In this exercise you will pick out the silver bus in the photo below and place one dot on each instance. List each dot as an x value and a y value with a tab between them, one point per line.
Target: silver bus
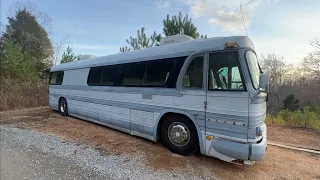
207	94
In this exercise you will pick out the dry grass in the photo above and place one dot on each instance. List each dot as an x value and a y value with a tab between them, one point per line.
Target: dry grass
15	94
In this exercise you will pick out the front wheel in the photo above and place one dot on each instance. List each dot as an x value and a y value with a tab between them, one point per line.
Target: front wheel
63	107
179	134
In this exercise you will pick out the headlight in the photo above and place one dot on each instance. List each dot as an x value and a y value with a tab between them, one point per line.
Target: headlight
259	131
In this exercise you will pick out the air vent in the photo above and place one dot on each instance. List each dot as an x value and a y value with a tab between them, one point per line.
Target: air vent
175	39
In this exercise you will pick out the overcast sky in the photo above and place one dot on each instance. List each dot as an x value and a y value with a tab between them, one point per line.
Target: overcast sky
100	27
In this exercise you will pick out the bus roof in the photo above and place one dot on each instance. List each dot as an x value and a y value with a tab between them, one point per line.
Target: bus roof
158	52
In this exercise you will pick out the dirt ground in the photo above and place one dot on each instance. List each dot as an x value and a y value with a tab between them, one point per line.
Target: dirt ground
298	137
279	163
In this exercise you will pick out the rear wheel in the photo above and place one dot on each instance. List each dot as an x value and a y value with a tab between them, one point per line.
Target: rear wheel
179	135
63	107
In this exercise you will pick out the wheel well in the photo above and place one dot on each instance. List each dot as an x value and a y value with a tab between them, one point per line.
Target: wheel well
61	99
168	114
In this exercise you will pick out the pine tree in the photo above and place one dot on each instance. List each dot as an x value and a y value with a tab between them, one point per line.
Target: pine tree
25	30
142	41
180	25
125	49
68	56
291	103
171	26
15	64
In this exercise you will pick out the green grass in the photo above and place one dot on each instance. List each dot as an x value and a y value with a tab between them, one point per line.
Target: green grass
309	117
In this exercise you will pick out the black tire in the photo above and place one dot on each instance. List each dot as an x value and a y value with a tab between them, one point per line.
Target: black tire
63	107
187	147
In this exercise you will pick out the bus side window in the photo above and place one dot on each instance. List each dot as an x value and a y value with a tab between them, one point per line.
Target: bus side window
157	72
94	77
109	75
193	76
56	78
133	74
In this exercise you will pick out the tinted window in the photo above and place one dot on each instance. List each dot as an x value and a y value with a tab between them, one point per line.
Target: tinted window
157	72
109	74
224	72
133	74
94	77
56	78
178	63
193	77
162	72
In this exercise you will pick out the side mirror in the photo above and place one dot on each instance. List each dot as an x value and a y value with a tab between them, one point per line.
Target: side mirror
264	83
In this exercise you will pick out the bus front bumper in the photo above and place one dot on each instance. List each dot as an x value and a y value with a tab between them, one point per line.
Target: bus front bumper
237	152
259	150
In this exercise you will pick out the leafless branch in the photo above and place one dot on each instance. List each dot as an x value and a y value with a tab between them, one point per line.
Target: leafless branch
316	43
57	48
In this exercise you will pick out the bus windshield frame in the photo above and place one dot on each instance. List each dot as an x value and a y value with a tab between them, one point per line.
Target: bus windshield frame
253	67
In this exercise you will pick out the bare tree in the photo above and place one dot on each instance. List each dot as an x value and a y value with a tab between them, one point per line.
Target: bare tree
59	44
316	43
312	61
278	71
312	64
275	66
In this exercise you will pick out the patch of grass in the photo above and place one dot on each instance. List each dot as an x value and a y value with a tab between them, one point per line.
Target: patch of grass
309	117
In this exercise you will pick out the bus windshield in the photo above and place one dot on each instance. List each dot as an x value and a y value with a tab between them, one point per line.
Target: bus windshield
253	68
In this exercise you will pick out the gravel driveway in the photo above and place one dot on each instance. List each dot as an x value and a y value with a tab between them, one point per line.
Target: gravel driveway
28	155
31	155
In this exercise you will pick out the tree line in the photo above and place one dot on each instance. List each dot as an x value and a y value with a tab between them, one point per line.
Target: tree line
294	98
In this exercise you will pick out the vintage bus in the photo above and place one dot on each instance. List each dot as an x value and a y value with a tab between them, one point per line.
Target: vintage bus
207	94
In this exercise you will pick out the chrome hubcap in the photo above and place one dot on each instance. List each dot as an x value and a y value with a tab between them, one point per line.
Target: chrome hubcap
178	134
62	106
